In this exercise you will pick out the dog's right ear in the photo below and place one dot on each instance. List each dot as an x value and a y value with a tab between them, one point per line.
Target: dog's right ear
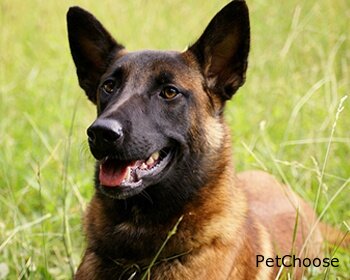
92	48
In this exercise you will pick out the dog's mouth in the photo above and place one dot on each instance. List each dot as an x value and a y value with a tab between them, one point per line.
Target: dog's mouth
130	177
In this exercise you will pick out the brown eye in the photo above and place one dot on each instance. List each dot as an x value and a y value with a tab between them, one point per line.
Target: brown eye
108	86
169	93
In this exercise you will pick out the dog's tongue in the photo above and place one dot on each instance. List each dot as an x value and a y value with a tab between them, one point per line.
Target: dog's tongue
112	174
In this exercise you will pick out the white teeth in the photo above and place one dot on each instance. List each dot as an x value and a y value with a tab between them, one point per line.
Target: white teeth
128	174
143	166
150	161
155	156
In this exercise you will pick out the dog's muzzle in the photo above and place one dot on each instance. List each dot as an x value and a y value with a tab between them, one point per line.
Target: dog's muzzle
103	136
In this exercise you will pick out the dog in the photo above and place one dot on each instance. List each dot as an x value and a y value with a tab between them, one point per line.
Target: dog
167	202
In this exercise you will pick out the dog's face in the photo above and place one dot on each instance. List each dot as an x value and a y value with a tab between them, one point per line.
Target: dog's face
159	113
144	100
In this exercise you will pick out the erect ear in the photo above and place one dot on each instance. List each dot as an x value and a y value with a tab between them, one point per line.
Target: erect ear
222	50
92	48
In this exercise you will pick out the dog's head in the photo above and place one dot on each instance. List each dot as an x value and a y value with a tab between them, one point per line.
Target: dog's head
159	117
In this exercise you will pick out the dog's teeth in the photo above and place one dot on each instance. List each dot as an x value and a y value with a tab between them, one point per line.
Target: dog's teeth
143	166
128	174
150	161
155	156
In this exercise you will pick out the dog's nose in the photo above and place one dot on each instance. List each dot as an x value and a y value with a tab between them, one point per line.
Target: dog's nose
105	132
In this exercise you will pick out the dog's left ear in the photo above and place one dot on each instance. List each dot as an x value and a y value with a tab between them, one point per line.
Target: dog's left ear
222	50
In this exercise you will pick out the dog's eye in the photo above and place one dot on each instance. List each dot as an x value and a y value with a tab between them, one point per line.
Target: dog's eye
169	93
108	86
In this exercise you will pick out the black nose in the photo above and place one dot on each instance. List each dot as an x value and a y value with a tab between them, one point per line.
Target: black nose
105	132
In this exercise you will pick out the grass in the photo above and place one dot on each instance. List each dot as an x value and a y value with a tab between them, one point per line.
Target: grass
291	118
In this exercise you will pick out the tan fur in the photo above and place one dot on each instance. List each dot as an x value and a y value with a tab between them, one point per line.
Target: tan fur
334	236
276	207
216	133
266	250
272	203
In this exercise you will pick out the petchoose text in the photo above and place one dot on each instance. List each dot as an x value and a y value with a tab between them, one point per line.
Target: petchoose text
294	261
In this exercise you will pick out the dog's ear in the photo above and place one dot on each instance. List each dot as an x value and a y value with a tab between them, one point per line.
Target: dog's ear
222	50
92	48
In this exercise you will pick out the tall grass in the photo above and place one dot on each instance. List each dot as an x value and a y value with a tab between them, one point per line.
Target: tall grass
287	119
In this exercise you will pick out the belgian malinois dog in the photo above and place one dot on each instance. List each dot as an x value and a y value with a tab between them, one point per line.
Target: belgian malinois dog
168	204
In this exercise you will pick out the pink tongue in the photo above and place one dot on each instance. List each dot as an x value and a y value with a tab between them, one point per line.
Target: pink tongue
111	177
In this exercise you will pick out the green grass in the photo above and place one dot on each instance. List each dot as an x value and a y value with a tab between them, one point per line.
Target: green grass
287	119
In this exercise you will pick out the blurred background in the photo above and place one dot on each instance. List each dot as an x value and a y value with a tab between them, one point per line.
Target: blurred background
291	118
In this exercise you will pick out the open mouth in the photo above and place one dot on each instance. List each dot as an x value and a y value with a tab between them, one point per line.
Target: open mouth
130	175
